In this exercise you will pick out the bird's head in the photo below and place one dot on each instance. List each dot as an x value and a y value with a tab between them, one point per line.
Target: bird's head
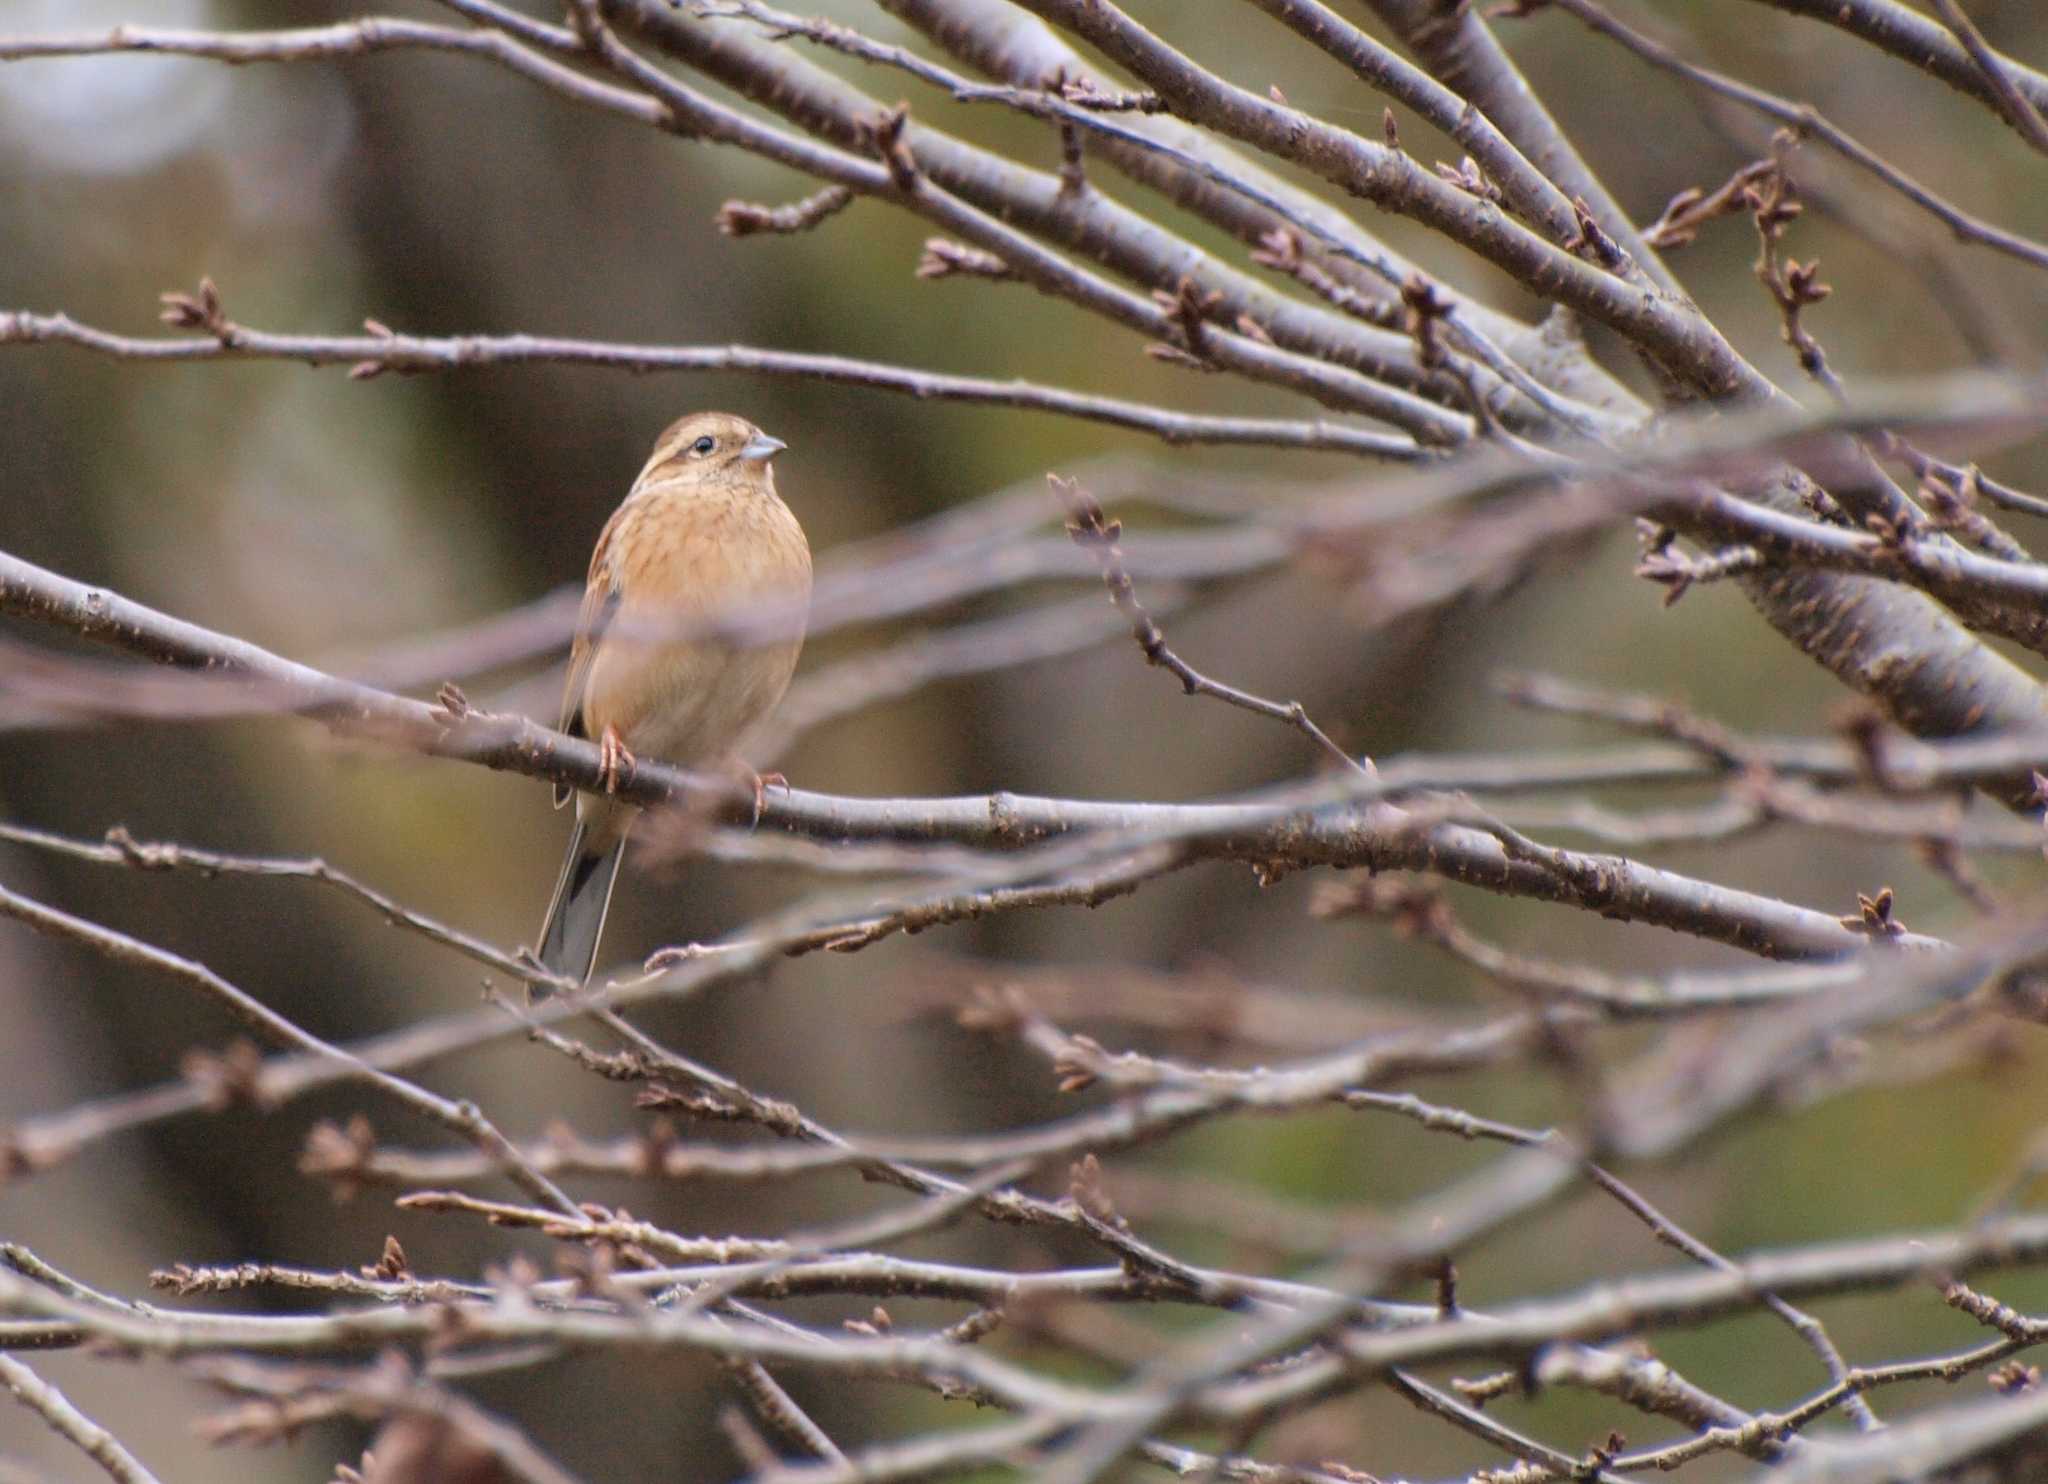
712	448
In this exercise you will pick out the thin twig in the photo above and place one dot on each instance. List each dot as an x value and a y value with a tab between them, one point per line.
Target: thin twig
1091	529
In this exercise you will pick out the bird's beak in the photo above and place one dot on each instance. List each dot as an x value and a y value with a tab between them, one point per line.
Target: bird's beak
761	448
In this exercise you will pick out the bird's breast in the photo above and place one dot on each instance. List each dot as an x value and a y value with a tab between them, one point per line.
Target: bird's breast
730	572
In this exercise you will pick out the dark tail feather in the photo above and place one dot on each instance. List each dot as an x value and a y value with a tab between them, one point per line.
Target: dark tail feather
575	920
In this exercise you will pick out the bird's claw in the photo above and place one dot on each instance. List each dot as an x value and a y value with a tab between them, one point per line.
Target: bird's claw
762	783
615	761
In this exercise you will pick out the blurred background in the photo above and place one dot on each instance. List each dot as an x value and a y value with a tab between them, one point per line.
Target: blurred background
325	518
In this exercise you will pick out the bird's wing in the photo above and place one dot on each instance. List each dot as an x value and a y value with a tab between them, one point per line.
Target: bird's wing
600	606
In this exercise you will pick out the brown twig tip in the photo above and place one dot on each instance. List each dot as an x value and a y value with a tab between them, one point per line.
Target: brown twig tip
231	1079
1590	241
1874	917
183	1280
886	132
1792	285
1802	283
945	258
1424	308
1089	527
1773	200
1084	1184
1686	213
1991	1313
874	1327
200	311
1951	496
1469	178
340	1155
1676	572
737	218
1189	306
1602	1454
1390	128
1086	524
391	1266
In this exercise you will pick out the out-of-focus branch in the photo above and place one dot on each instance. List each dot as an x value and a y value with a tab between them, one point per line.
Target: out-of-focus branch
2019	111
1921	1447
342	40
1853	629
1912	38
1287	834
121	848
1808	121
456	1434
1656	1301
47	1402
461	1118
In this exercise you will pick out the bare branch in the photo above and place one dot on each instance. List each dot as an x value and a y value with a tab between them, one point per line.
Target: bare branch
47	1402
1807	121
406	353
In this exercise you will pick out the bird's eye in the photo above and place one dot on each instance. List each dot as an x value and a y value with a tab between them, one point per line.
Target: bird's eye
703	445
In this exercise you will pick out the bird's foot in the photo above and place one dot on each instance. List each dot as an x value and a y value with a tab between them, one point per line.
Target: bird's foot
762	783
615	761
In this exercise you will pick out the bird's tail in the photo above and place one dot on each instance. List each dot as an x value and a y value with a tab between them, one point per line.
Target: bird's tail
583	895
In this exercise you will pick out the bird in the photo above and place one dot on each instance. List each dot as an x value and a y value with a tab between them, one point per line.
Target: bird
701	535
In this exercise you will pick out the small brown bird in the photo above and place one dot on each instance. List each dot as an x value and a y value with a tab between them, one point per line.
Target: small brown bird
701	535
